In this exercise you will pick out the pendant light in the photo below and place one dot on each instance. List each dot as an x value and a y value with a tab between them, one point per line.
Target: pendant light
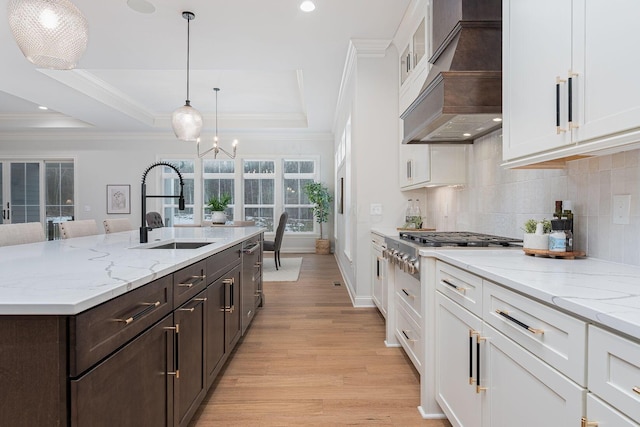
216	147
50	33
186	120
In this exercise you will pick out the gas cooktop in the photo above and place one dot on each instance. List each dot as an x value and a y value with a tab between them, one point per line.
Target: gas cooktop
455	238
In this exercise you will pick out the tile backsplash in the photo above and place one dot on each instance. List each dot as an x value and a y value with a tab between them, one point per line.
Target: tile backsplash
498	201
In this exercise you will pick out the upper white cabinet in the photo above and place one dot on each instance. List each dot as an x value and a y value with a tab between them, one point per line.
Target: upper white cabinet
413	40
432	165
569	84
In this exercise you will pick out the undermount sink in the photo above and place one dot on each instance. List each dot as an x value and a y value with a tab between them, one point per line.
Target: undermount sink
178	245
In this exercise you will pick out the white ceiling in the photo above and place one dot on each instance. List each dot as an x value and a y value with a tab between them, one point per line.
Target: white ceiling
277	67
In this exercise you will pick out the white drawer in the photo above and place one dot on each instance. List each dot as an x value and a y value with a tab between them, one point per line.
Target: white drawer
409	334
461	286
556	338
603	415
409	291
614	370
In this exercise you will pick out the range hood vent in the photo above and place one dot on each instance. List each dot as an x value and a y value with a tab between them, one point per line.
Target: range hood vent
461	98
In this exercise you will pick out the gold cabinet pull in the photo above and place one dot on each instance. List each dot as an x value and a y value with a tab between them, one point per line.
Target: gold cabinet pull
150	306
586	423
194	279
408	294
506	315
407	336
479	339
454	286
636	389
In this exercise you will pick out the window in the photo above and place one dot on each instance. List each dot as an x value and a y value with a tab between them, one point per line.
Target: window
171	185
25	192
259	192
59	204
218	179
296	174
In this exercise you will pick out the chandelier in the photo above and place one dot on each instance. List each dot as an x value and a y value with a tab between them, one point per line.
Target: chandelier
50	33
216	147
186	120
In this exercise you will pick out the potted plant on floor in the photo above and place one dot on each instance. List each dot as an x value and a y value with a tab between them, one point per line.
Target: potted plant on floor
217	205
318	194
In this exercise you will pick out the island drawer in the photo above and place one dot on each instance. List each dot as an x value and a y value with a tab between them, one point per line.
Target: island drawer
555	337
614	370
461	286
97	332
188	282
220	263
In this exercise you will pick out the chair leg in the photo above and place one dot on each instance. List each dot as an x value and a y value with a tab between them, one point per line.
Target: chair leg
275	258
279	262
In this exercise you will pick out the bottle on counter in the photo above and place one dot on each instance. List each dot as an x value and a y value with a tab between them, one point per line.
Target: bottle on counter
417	214
558	237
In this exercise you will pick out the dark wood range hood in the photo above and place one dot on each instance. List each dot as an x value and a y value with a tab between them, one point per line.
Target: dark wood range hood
461	98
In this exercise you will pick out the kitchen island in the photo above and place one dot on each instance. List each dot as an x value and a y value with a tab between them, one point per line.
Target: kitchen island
101	330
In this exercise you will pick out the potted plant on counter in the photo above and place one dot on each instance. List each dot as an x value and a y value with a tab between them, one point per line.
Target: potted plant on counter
536	234
318	194
217	205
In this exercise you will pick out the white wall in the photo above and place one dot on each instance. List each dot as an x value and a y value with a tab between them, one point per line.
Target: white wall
499	201
123	159
370	95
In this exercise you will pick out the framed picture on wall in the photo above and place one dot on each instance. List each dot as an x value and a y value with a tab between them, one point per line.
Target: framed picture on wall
119	199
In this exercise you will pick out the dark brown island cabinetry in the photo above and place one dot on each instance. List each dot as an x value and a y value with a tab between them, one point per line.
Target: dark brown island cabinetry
145	358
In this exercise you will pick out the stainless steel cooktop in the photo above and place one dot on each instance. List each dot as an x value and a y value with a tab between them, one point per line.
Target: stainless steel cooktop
455	238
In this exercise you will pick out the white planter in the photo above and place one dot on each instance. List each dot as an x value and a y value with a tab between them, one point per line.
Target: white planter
535	241
218	217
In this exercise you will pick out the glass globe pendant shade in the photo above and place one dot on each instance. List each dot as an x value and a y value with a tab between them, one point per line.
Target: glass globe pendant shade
187	123
50	33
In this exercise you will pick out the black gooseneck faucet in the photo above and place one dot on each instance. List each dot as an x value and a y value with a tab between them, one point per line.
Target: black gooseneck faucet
144	230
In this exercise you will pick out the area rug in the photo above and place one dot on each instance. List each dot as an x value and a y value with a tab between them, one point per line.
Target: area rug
288	272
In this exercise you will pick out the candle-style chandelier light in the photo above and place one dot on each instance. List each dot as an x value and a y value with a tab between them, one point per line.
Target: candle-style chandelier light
216	147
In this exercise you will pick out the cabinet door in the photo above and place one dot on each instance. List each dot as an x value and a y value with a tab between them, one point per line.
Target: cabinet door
524	391
456	363
190	385
215	329
607	66
376	277
604	415
537	49
405	64
130	388
232	322
414	165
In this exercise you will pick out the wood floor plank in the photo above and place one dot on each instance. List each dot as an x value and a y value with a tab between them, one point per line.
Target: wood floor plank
311	359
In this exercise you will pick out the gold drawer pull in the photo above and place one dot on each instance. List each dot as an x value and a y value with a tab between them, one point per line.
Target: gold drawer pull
636	389
149	307
198	301
407	336
506	315
195	280
408	294
586	423
456	287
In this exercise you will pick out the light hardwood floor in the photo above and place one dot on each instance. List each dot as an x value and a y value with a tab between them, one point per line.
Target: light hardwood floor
311	359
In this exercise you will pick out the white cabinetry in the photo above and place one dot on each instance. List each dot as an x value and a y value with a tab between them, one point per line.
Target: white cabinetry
600	414
413	41
379	273
577	64
503	360
614	373
409	315
432	165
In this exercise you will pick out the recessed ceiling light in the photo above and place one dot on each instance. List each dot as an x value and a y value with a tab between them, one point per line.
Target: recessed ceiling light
142	6
42	107
497	119
466	134
307	6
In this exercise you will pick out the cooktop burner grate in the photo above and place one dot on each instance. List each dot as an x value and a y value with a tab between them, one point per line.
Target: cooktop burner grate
456	238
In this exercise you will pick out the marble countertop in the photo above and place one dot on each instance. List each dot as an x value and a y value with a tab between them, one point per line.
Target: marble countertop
64	277
604	292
